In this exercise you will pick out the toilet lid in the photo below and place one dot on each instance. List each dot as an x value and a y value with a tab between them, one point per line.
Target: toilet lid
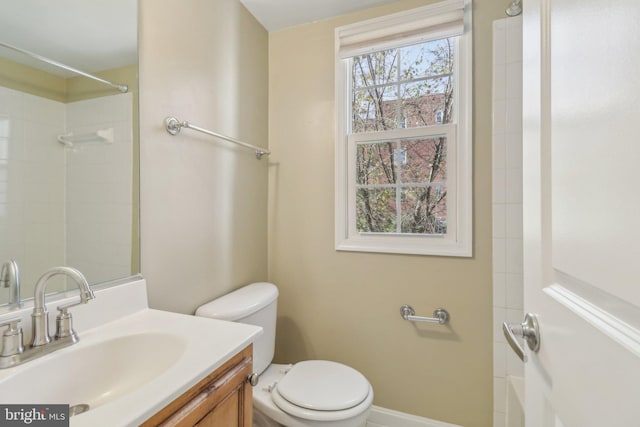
322	385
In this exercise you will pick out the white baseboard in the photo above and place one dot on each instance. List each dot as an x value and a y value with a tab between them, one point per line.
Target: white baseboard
382	417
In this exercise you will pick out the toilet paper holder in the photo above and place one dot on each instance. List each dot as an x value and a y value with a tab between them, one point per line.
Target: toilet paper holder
440	315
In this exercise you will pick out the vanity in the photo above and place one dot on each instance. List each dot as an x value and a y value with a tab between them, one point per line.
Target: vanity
223	398
137	366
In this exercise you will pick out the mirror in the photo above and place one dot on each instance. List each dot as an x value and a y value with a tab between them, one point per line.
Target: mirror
69	143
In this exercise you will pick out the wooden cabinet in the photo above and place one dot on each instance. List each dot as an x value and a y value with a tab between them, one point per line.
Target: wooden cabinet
222	399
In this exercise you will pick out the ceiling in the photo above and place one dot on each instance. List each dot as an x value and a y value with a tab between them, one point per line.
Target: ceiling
89	35
98	35
278	14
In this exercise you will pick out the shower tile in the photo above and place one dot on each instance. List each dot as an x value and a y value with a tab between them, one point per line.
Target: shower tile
513	150
499	220
11	104
499	290
513	115
513	221
514	315
514	291
499	360
513	78
513	186
499	151
500	83
499	116
514	39
499	393
43	110
499	316
515	366
499	419
499	255
513	262
499	186
499	43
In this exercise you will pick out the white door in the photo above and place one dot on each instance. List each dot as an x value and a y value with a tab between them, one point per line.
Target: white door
581	122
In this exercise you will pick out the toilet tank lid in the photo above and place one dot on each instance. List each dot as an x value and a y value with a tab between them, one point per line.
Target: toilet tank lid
240	303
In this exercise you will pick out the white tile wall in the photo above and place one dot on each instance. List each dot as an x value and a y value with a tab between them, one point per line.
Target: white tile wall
31	185
507	202
99	193
37	176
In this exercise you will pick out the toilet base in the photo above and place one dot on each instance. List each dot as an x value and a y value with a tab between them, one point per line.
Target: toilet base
261	420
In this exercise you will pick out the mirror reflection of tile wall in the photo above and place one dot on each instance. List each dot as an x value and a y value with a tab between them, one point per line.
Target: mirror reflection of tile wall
99	190
59	204
32	180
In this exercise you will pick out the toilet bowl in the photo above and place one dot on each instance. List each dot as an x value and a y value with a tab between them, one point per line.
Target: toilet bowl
268	413
311	393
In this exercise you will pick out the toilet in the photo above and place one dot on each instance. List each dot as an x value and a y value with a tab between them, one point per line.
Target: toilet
311	393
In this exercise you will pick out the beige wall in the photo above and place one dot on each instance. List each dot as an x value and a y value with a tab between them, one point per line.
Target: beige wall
345	306
79	88
29	80
204	201
14	75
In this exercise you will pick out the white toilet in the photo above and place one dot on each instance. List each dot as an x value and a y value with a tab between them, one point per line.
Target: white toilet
313	393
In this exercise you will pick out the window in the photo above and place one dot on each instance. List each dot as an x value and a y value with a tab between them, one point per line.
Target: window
403	142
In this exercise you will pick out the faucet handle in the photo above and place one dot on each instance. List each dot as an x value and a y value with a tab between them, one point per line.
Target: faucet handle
12	337
64	323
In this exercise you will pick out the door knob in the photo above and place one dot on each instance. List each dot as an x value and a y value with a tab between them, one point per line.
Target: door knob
528	330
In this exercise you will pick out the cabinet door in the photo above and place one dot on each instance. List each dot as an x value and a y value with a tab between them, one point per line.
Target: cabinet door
222	399
235	410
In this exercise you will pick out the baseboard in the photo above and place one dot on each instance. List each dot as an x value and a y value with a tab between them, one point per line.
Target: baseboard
382	417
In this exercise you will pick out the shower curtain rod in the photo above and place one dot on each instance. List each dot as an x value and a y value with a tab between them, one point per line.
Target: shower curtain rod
121	88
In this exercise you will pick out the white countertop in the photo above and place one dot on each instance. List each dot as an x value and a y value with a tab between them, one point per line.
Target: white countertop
201	346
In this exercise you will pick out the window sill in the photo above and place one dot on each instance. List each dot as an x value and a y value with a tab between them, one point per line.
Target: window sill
407	245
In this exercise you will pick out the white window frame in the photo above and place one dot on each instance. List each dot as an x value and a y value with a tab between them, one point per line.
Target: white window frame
458	239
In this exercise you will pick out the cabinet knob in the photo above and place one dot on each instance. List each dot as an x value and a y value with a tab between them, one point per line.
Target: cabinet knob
253	379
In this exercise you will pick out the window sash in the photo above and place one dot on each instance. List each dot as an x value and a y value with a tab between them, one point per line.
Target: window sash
398	83
448	131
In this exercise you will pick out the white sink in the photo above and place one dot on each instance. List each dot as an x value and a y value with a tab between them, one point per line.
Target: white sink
130	362
98	373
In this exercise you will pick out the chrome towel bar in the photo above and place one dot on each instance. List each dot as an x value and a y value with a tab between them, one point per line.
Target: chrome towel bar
174	126
440	315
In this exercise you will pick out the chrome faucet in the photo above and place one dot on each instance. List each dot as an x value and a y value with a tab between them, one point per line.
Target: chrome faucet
13	352
40	315
10	278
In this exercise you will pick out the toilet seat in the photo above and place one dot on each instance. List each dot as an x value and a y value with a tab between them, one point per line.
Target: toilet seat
321	390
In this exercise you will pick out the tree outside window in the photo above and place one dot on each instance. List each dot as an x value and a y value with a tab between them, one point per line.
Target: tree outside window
401	183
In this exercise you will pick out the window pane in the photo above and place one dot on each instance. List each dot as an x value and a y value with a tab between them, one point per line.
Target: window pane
375	109
374	164
424	210
427	102
378	68
424	160
429	59
376	210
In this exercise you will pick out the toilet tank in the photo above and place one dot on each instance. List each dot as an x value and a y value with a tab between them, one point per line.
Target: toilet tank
254	304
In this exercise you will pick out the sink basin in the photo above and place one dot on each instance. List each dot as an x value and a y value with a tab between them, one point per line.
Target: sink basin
131	361
98	373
